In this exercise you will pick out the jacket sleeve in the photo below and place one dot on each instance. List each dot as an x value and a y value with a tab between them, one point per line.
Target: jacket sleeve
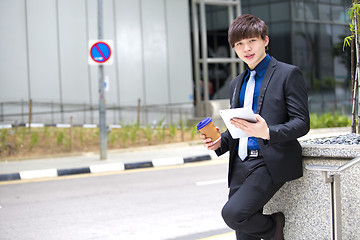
297	121
224	147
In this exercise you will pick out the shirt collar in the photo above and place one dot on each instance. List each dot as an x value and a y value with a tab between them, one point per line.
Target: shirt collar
262	66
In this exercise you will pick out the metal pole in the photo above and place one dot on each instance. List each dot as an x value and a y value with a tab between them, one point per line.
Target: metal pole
138	112
204	57
195	25
52	112
232	52
30	113
27	50
336	207
102	109
2	112
22	110
239	12
181	125
71	133
59	62
88	70
116	63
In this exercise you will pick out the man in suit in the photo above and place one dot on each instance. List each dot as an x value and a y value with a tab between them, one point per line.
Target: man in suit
260	165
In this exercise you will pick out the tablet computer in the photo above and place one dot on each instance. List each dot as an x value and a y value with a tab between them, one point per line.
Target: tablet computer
243	113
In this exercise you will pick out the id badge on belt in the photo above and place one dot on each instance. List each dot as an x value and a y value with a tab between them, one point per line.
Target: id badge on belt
254	153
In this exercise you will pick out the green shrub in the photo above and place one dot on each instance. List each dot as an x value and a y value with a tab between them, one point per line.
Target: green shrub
19	135
148	132
328	120
125	135
172	131
67	143
81	135
193	132
59	137
46	132
160	129
34	138
133	132
113	136
4	133
160	133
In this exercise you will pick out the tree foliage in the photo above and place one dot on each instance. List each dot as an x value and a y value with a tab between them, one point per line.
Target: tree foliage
354	42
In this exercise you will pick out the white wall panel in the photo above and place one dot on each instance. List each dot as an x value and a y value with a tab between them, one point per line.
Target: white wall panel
43	51
74	51
92	28
152	59
155	51
129	52
13	56
179	60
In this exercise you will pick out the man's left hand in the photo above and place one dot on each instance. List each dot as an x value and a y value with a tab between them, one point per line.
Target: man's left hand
259	129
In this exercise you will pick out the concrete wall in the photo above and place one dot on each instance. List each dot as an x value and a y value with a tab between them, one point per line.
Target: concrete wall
306	201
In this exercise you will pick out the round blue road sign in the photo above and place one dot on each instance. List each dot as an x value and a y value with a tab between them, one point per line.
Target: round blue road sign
100	52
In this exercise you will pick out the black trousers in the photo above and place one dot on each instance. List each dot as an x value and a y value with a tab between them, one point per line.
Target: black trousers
251	187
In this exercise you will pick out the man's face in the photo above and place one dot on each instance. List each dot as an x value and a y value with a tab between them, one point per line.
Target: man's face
251	50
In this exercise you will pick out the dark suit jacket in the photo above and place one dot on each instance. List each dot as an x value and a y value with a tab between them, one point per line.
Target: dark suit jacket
283	103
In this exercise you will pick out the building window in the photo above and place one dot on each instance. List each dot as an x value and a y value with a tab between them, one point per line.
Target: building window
306	33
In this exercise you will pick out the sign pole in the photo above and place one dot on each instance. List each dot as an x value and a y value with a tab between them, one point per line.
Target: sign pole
102	108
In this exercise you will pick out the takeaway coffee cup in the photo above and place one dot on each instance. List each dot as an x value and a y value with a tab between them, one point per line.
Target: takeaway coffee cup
208	128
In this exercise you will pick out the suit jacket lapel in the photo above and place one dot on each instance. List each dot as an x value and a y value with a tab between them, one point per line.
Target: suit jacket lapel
265	82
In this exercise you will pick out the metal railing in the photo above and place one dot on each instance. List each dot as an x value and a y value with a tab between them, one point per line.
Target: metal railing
332	176
25	111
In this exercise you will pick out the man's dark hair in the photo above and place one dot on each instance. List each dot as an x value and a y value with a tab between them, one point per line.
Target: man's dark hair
246	26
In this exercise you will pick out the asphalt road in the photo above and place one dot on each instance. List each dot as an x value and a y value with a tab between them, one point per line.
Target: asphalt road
182	203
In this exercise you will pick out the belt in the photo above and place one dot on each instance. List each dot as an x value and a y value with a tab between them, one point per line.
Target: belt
254	153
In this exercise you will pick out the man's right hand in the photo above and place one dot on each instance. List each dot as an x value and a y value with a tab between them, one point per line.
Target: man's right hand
209	144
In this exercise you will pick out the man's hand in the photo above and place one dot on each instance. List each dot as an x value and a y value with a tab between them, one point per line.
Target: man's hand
259	129
209	144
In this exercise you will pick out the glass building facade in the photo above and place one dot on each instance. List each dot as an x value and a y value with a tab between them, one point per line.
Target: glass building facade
305	33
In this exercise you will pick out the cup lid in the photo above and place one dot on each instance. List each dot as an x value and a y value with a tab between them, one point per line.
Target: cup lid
203	123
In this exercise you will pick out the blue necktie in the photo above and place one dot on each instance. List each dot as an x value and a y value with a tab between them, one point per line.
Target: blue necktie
248	103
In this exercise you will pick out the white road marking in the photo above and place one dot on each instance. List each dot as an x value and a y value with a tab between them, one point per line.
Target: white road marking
215	181
225	236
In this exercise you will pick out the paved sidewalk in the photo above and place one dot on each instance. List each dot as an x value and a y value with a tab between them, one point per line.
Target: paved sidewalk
118	160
